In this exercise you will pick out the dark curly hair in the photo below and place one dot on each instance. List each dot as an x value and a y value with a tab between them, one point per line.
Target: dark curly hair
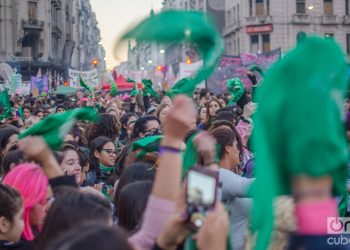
108	126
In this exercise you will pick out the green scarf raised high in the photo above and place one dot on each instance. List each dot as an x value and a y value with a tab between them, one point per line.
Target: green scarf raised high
177	26
299	126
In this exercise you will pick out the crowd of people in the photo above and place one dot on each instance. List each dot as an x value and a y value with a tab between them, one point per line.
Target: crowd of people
120	182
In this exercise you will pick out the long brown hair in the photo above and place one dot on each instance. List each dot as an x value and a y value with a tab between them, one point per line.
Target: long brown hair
208	121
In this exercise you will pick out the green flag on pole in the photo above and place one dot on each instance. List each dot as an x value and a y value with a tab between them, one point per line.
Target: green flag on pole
83	84
176	26
5	105
56	126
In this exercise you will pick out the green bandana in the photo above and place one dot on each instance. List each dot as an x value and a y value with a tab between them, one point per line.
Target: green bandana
56	126
236	88
146	145
195	27
299	126
114	89
148	89
5	105
105	169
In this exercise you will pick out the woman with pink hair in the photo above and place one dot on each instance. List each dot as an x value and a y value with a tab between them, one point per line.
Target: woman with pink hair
32	183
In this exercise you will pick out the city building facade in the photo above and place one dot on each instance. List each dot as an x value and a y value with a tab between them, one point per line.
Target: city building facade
51	35
257	26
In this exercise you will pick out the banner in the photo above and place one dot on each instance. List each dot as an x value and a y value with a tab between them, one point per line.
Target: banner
16	82
90	78
237	66
190	70
39	85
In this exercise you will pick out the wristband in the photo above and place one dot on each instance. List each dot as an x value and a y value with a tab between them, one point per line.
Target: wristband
168	149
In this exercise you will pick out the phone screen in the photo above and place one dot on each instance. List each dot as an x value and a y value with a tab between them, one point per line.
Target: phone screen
200	189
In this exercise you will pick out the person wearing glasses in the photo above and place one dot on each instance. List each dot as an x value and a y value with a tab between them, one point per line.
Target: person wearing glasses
103	155
146	126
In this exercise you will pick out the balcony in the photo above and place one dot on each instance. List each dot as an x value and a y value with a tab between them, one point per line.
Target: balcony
256	20
329	19
301	19
346	20
33	24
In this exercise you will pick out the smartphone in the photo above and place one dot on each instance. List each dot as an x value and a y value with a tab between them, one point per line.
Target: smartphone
201	195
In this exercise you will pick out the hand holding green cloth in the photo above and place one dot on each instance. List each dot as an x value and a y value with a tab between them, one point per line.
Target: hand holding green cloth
183	26
134	91
83	84
56	126
149	88
114	89
236	88
299	126
146	145
258	69
5	105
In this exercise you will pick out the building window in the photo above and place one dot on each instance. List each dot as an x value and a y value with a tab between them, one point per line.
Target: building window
250	7
266	42
301	8
328	7
32	11
347	7
260	7
329	35
238	45
268	7
348	44
228	17
233	19
254	43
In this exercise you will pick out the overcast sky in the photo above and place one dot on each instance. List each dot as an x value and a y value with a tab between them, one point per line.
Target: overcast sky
114	16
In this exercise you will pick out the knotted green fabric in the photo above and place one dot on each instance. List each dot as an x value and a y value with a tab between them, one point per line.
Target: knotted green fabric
299	126
236	88
5	105
148	89
177	26
105	169
146	145
114	89
56	126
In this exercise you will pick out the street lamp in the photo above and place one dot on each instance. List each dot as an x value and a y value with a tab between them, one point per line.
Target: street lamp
162	51
311	7
149	61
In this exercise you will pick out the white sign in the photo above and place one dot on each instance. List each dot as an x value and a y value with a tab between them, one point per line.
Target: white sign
89	77
190	70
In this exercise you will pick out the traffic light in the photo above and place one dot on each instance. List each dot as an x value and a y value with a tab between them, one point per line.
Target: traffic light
95	62
66	83
160	67
188	61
